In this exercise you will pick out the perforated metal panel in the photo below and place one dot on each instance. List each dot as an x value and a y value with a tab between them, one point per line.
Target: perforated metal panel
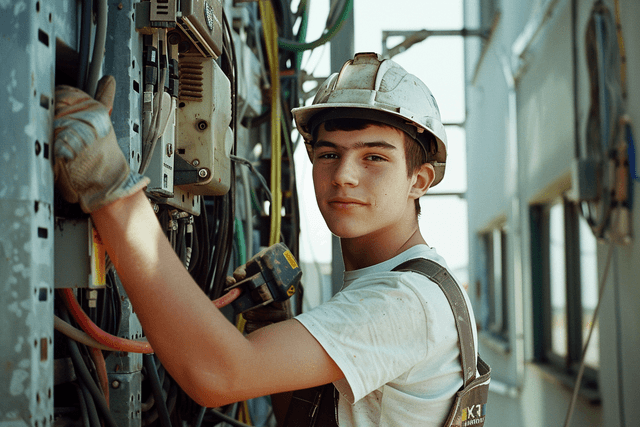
26	214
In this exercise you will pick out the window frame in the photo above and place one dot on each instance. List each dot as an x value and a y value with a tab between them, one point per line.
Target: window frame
540	243
495	283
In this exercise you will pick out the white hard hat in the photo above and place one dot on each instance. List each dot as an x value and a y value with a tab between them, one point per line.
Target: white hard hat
377	89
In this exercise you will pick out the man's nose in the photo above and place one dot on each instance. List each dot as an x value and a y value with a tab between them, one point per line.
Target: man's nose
346	172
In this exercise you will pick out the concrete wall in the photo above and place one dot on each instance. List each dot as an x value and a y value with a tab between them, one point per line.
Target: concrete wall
520	141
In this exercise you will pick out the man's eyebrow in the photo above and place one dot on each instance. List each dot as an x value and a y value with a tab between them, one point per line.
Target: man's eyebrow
323	143
358	145
375	144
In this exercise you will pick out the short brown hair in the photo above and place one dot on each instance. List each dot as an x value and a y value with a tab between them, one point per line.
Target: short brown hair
415	154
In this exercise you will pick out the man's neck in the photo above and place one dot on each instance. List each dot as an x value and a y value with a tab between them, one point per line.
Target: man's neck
373	249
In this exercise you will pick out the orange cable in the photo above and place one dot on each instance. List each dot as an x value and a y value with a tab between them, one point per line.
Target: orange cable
117	343
87	325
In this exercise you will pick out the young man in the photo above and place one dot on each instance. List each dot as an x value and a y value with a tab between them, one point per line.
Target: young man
387	341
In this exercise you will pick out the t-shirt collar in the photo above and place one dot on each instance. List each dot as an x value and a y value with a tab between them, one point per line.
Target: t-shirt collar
388	265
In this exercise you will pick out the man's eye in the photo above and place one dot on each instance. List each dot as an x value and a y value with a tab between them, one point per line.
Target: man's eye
375	158
327	156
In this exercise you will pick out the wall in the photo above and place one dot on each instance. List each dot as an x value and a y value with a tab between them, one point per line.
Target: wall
520	141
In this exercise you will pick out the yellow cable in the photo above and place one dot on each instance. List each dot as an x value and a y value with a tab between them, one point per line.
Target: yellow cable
271	41
243	413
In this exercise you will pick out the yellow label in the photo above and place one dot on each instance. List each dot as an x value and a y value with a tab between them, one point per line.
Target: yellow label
292	261
291	290
98	260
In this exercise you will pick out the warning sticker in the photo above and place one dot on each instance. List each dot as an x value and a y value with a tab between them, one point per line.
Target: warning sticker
291	290
292	261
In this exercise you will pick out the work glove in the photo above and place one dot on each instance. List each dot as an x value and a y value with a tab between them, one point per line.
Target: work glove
90	168
260	317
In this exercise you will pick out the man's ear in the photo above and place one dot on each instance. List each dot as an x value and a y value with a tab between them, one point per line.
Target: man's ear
422	180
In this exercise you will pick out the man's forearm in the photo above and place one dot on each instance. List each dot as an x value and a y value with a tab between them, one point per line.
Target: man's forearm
211	360
178	318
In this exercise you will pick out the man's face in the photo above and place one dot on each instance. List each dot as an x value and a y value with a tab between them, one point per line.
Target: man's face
360	179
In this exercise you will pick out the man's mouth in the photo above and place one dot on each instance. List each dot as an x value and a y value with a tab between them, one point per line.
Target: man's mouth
345	201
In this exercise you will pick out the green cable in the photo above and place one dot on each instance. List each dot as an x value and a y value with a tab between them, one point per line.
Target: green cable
254	202
242	247
328	35
302	31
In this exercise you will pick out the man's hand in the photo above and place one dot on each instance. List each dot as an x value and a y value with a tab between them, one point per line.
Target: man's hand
90	168
262	316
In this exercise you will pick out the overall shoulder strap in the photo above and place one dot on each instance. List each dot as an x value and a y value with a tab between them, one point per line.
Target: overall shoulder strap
439	275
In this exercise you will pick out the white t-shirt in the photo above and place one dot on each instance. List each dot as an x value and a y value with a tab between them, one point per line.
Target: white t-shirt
394	337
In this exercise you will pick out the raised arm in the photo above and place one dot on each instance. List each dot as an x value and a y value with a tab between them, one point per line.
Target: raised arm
210	359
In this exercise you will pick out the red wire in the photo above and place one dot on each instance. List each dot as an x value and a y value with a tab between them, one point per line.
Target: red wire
117	343
227	298
87	325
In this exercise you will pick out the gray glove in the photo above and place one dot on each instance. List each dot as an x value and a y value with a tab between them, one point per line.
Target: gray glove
90	168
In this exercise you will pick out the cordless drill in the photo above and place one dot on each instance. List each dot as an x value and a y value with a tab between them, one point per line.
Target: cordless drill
272	275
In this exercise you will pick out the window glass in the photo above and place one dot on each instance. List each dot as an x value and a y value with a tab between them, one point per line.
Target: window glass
557	280
589	292
505	294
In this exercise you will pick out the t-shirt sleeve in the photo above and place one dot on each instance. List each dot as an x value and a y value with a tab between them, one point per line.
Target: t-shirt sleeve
374	333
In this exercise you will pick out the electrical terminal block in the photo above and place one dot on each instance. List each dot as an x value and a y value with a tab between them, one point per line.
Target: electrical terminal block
204	138
161	166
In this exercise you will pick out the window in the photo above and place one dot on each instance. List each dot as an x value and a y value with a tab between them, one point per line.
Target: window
564	277
495	289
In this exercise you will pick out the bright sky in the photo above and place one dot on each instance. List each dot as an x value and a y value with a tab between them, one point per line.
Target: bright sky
438	61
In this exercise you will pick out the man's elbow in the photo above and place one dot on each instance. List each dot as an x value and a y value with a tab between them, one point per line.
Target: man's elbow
210	391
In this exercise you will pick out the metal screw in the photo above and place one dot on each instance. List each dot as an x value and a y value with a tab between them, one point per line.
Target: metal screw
195	162
202	125
203	173
156	208
115	384
174	38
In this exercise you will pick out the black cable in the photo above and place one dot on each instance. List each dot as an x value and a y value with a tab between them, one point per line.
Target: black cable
84	412
232	186
216	256
94	419
102	311
201	271
156	389
201	412
213	242
220	259
85	39
227	419
231	225
83	373
116	302
327	35
173	395
260	177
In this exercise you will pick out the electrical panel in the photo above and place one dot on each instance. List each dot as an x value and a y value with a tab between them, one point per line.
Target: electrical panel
189	100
